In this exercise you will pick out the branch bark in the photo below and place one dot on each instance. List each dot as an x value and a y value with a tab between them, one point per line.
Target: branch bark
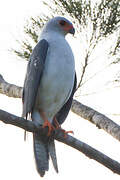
10	90
78	108
100	120
59	135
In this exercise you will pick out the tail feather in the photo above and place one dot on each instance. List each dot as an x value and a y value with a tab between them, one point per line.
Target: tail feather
52	152
43	148
41	154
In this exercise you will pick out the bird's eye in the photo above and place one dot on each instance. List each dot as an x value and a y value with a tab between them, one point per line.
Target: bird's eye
62	22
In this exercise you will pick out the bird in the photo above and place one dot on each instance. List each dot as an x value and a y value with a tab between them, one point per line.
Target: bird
49	86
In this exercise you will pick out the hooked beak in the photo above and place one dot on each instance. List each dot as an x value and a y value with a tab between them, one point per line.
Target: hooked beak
72	31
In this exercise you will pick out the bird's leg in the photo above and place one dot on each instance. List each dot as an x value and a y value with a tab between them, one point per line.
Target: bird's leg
46	123
59	127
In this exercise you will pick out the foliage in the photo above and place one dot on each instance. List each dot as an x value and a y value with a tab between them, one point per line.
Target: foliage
31	30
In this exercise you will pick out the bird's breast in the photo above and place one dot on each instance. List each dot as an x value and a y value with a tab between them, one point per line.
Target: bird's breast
57	79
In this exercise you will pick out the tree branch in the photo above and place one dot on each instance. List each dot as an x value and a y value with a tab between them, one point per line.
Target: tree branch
100	120
10	90
78	108
59	135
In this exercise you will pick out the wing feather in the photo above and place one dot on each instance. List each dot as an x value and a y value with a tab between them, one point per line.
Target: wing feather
33	76
62	114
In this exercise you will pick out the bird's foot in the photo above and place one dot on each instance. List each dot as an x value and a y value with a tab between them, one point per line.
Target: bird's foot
46	122
66	132
50	127
57	126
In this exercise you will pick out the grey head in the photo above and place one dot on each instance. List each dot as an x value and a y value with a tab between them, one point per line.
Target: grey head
59	24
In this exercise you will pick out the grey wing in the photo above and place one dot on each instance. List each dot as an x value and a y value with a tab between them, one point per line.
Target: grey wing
33	76
62	114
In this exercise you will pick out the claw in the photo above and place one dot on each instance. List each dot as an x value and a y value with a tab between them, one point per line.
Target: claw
66	132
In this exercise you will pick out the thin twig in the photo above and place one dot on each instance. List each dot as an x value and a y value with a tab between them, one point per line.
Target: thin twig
83	71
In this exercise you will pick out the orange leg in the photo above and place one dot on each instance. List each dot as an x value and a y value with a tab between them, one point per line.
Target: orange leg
56	123
46	123
59	127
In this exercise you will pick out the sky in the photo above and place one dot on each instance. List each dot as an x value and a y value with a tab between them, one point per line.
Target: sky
16	156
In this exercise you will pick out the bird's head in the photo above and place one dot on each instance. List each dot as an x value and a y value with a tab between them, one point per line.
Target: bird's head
61	25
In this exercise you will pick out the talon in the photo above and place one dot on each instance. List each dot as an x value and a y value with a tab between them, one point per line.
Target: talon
66	132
